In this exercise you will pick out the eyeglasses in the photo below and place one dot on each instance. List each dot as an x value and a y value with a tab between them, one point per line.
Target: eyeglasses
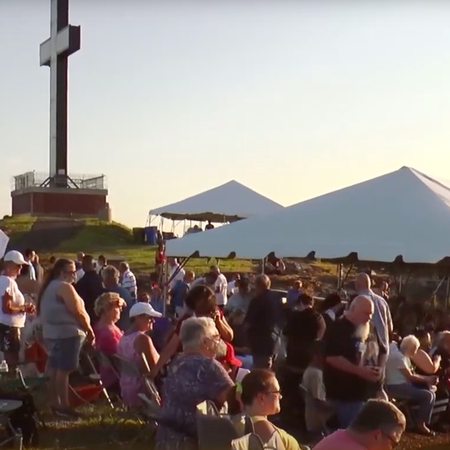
274	392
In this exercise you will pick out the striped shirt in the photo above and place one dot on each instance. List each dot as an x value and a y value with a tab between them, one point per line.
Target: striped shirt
129	282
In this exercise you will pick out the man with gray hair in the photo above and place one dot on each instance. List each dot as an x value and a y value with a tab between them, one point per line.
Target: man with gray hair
110	276
348	380
378	426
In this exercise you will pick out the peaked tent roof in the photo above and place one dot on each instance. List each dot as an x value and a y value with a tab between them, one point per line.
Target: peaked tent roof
403	213
226	203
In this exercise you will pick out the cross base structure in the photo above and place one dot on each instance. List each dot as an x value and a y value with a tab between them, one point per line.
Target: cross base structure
84	196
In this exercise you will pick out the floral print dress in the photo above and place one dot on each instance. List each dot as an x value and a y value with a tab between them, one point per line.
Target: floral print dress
191	380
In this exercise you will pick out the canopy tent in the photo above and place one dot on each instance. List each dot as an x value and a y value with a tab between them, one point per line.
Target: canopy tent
401	214
4	239
226	203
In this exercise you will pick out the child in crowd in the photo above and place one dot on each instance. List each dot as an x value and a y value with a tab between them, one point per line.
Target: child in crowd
317	410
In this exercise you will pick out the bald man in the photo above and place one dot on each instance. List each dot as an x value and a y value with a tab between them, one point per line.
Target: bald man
348	382
382	319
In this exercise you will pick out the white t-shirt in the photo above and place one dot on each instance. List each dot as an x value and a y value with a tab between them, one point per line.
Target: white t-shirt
178	276
221	284
231	288
395	362
17	319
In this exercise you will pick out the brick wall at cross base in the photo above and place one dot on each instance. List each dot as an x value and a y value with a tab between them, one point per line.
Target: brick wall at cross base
48	201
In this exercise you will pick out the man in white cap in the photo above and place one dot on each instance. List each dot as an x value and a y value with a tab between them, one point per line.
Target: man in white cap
13	307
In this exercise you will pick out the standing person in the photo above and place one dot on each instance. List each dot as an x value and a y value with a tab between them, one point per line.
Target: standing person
294	293
378	426
128	279
209	226
348	383
179	292
78	265
39	270
304	326
241	299
65	325
110	277
14	309
90	287
220	287
176	272
101	264
29	256
382	323
261	323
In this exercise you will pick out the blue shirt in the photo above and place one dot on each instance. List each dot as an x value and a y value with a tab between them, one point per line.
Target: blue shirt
178	294
292	297
158	303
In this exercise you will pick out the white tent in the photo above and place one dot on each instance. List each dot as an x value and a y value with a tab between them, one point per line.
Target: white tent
226	203
3	243
403	213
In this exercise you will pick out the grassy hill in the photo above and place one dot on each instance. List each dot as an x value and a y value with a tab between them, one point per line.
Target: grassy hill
113	240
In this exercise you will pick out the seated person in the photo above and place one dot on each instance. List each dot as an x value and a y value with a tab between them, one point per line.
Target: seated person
194	376
201	302
378	426
227	358
108	308
137	346
260	397
425	364
317	410
403	384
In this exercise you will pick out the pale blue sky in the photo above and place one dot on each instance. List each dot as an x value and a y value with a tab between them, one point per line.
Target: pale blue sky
291	98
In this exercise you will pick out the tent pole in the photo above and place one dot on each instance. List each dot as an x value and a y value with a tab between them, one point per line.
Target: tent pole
166	286
262	266
447	292
339	276
400	282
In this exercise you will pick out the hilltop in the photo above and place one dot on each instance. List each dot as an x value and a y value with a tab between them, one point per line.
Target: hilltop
66	236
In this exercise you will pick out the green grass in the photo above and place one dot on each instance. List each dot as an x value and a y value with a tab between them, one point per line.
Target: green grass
101	429
16	227
97	236
142	258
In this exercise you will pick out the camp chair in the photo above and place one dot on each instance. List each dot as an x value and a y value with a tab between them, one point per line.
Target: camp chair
129	367
28	385
6	408
104	360
213	431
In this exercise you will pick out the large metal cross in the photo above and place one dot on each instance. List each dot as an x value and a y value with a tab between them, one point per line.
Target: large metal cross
64	40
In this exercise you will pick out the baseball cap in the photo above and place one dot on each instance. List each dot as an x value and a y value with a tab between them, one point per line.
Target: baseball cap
15	257
141	308
230	356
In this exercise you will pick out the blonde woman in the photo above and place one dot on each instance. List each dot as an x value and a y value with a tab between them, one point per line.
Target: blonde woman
108	308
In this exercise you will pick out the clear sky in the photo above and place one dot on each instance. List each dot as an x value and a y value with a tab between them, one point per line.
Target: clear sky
170	98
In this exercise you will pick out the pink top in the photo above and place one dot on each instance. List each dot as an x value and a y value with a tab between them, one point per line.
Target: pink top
107	339
339	440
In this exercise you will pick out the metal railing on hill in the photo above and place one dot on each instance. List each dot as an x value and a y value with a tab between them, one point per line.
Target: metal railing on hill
37	179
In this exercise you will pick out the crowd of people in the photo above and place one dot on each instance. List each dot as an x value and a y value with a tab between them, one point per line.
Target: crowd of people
236	343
